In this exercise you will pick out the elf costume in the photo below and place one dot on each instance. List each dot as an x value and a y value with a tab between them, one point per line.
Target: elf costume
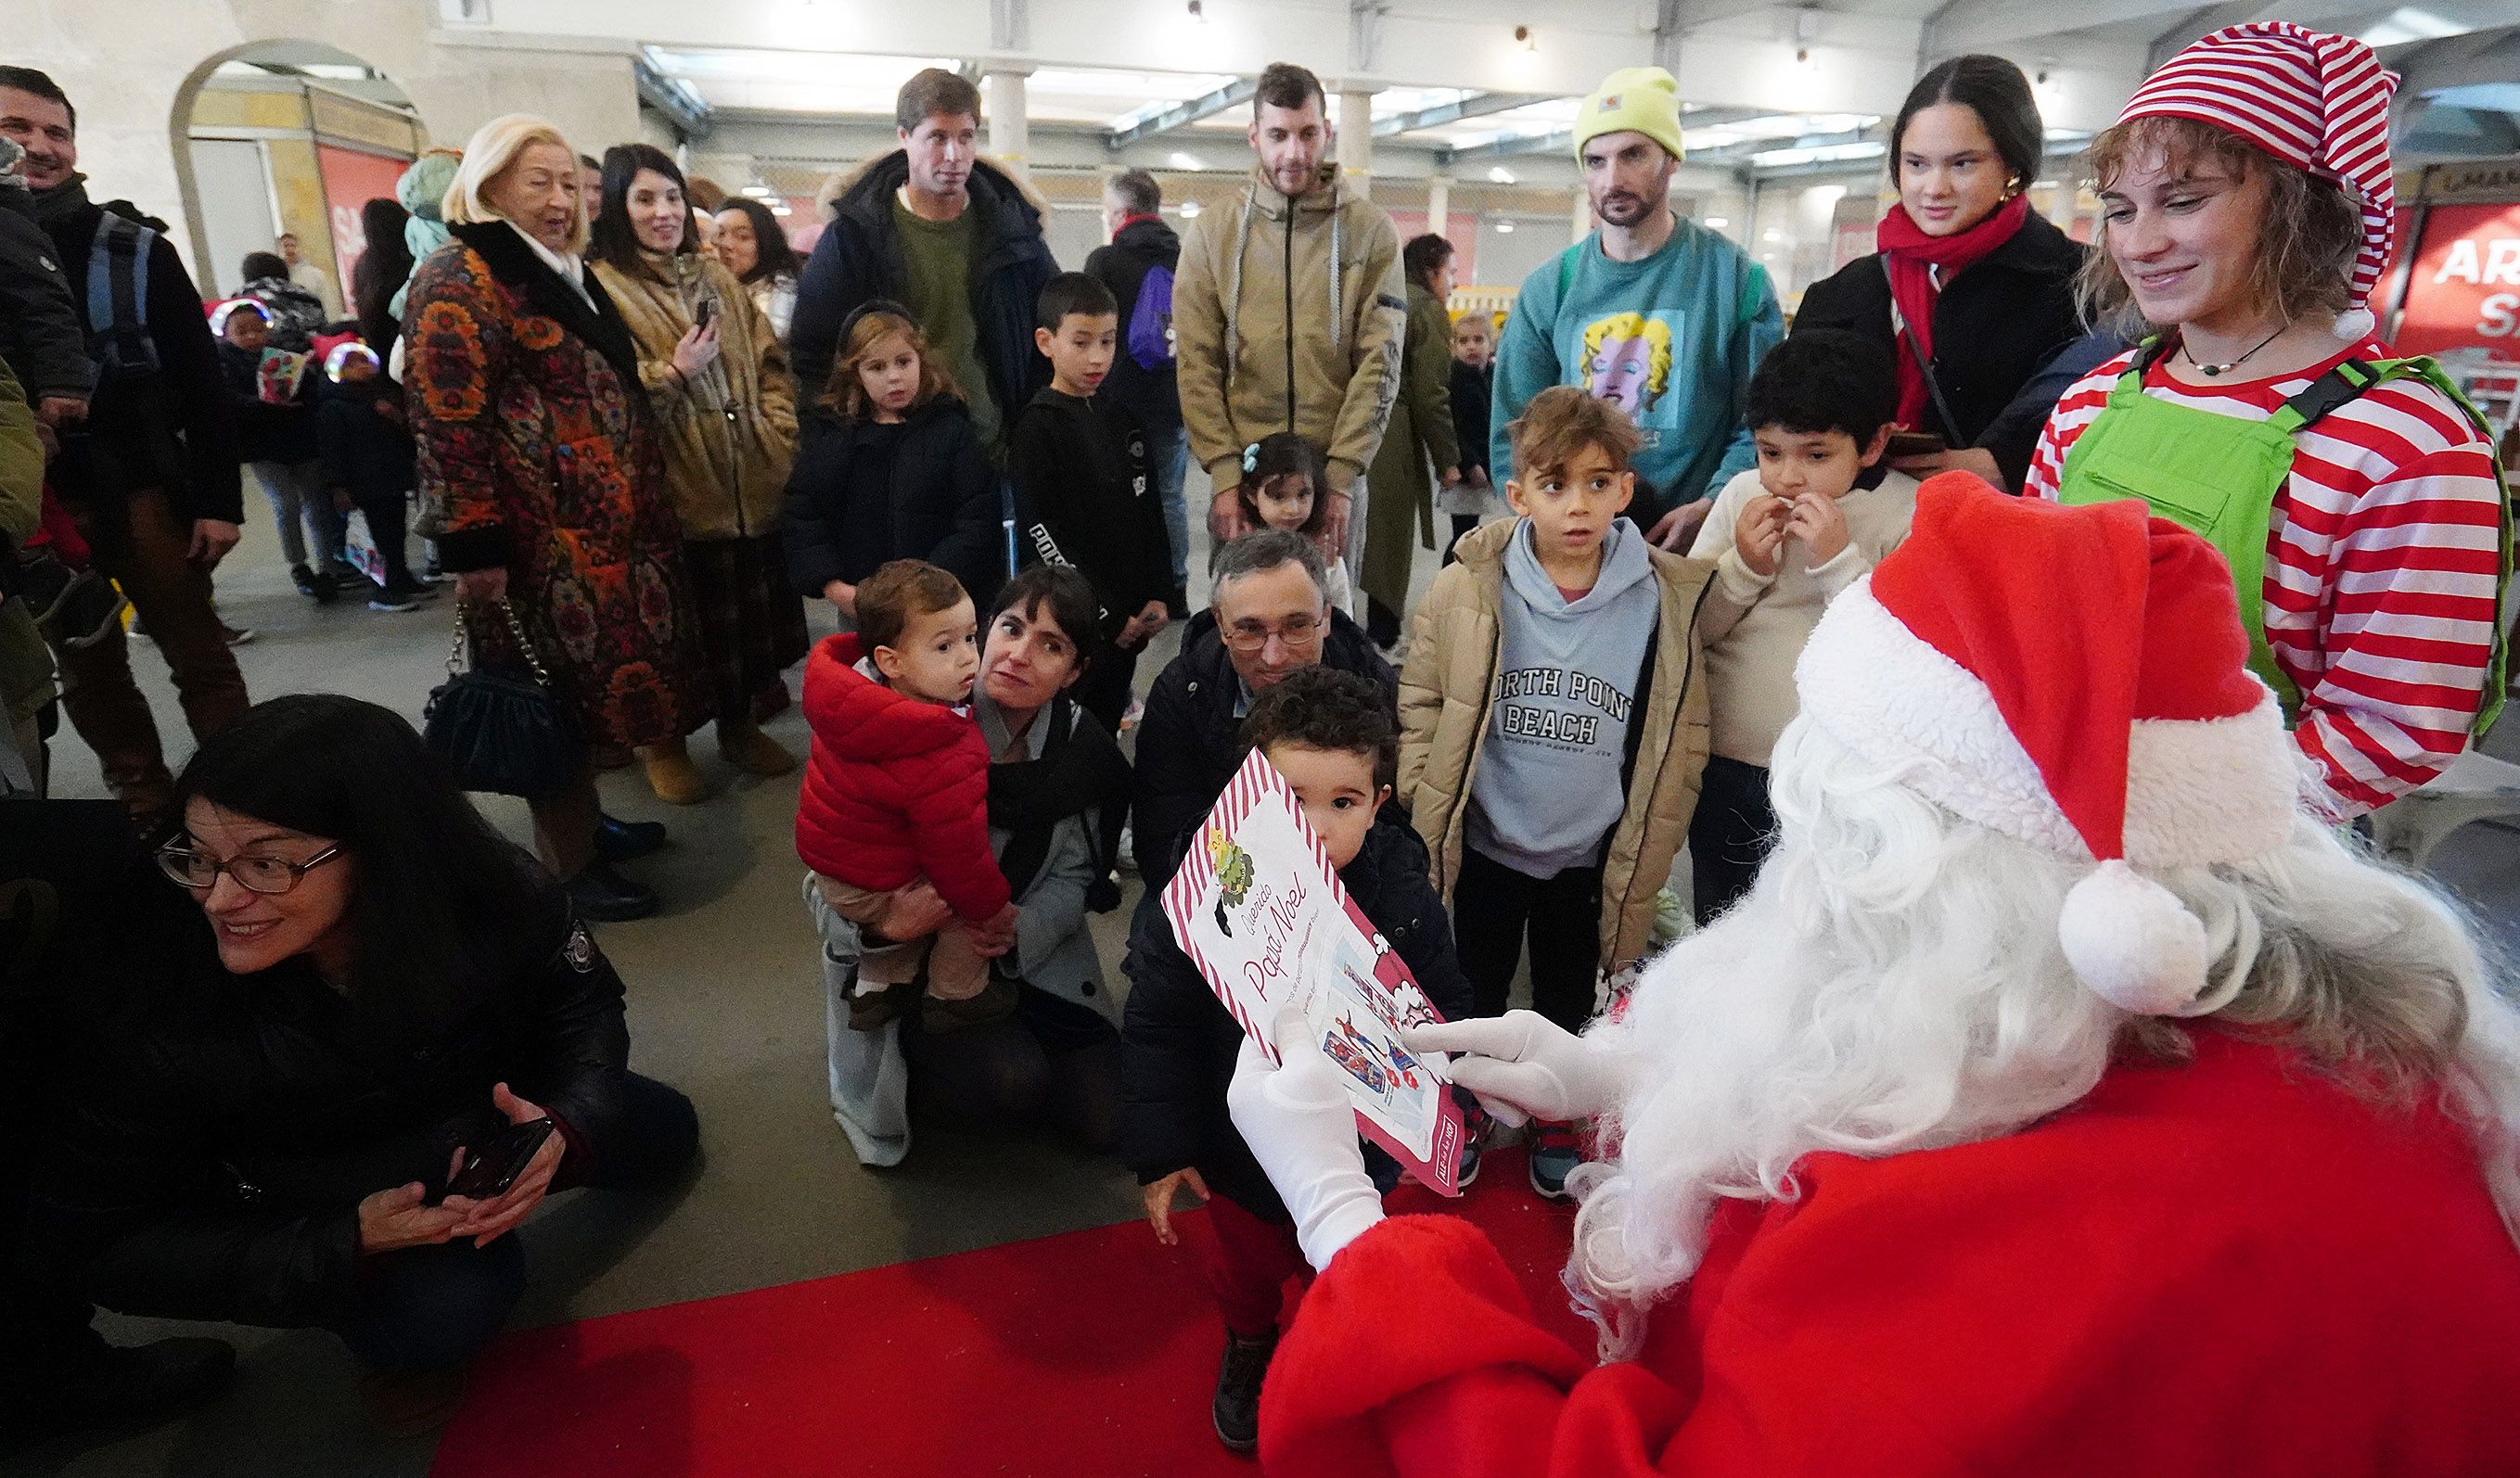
2359	496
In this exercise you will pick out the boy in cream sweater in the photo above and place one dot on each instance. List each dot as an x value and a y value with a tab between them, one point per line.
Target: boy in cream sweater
1819	510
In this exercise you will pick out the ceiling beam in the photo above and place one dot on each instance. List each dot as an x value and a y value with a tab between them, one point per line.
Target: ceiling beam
672	97
1987	24
1477	104
1506	149
1182	115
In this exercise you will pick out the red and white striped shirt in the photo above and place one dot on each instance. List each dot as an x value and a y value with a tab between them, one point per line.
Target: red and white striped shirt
2382	552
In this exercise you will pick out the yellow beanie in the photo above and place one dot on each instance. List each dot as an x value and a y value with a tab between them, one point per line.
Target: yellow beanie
1643	99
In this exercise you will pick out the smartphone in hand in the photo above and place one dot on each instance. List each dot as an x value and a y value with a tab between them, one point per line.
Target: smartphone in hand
489	1169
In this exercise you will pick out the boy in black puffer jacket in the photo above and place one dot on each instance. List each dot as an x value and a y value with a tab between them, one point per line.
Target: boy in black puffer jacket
1084	495
369	463
1331	735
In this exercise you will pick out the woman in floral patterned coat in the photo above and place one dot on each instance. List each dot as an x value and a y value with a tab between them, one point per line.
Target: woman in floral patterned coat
525	402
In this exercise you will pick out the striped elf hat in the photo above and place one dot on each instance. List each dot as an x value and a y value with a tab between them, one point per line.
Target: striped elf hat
2086	694
2316	101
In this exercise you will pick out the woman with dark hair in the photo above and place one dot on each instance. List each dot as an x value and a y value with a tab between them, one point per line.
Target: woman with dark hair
1059	788
524	401
1420	452
377	988
380	273
1971	290
717	380
2247	212
752	246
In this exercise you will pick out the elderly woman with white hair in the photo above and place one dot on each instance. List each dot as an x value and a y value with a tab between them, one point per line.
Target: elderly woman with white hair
531	425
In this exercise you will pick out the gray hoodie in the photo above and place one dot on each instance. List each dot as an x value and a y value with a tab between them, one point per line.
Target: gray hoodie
1548	789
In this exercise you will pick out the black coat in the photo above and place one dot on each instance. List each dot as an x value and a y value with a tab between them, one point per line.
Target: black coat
1178	1043
364	449
212	1162
1141	246
845	511
173	430
859	258
1471	392
267	431
43	335
1187	747
1994	324
1086	496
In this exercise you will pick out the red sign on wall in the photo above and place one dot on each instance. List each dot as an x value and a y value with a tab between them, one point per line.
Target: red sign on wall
352	179
2464	291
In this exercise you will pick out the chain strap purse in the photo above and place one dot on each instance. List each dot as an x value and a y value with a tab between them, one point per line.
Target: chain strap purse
496	730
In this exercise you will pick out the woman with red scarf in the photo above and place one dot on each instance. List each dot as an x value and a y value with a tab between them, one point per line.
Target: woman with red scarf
1973	290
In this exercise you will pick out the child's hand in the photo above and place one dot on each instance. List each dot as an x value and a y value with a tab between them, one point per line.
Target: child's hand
1820	525
843	594
1159	1202
1760	532
996	936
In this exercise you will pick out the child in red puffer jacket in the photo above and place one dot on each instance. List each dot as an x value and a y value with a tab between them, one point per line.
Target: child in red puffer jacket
896	795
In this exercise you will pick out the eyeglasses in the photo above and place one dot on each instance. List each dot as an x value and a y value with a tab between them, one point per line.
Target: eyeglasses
1295	630
254	874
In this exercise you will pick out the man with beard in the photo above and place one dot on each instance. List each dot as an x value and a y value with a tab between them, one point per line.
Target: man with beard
1289	315
1657	314
152	476
2063	1100
948	234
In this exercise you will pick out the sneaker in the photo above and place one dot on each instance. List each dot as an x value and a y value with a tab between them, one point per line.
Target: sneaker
1478	1124
1126	856
873	1007
387	598
1555	1151
344	573
995	1003
314	587
234	636
1235	1410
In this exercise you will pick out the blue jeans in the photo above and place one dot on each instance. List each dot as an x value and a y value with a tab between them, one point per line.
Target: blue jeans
300	502
1168	457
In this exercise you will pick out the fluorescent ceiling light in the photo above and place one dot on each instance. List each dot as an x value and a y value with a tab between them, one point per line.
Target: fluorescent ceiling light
1505	228
2407	24
1822	154
756	190
1716	222
1183	158
1500	175
1189	210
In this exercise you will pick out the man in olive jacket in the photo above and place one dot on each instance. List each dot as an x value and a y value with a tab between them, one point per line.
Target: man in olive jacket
1287	314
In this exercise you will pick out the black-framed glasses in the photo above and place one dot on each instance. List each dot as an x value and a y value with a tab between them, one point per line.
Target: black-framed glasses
1294	630
254	873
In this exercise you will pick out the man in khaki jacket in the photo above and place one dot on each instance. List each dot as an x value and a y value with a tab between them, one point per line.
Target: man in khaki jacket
1287	314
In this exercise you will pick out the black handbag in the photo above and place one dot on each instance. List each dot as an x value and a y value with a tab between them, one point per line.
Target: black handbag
498	732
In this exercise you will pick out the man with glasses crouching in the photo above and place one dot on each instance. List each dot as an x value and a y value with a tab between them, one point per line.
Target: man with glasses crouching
373	1045
1266	617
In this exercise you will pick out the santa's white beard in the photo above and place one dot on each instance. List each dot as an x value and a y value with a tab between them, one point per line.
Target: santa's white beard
1893	983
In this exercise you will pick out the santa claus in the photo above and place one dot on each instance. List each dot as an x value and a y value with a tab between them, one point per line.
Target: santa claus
2062	1101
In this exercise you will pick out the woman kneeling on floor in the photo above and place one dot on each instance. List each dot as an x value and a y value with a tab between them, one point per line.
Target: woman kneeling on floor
1057	786
379	991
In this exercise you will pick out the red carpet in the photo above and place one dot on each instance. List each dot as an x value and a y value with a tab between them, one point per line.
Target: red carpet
1091	1353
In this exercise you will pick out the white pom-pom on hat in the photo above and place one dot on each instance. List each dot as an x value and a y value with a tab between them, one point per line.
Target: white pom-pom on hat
2355	325
2133	942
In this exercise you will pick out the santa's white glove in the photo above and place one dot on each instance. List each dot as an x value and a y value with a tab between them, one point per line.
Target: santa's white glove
1297	1120
1524	1065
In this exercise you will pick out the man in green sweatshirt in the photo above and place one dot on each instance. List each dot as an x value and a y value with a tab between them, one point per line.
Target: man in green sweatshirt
1656	314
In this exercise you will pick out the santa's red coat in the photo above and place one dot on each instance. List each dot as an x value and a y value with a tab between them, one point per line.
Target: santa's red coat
2235	1269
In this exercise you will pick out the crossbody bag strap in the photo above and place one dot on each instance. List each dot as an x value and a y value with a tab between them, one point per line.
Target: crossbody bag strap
1916	351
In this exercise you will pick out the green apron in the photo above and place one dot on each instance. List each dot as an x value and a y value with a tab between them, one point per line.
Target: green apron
2220	476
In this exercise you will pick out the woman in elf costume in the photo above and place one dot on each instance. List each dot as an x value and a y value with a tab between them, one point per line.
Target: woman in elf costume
2247	215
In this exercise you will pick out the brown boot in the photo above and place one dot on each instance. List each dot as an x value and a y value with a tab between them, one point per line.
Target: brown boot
753	751
995	1003
672	774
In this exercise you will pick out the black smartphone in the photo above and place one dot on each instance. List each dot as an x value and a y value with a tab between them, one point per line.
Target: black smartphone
707	311
488	1170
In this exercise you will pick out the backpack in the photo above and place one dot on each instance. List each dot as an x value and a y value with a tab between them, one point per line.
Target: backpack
117	299
1150	320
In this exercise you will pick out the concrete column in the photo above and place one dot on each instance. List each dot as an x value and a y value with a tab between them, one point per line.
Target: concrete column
1356	140
1581	220
1009	130
1439	204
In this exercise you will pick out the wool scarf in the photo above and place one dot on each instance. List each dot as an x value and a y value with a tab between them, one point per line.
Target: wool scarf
1912	258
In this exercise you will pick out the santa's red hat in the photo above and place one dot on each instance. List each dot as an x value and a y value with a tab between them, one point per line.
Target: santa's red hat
2075	678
